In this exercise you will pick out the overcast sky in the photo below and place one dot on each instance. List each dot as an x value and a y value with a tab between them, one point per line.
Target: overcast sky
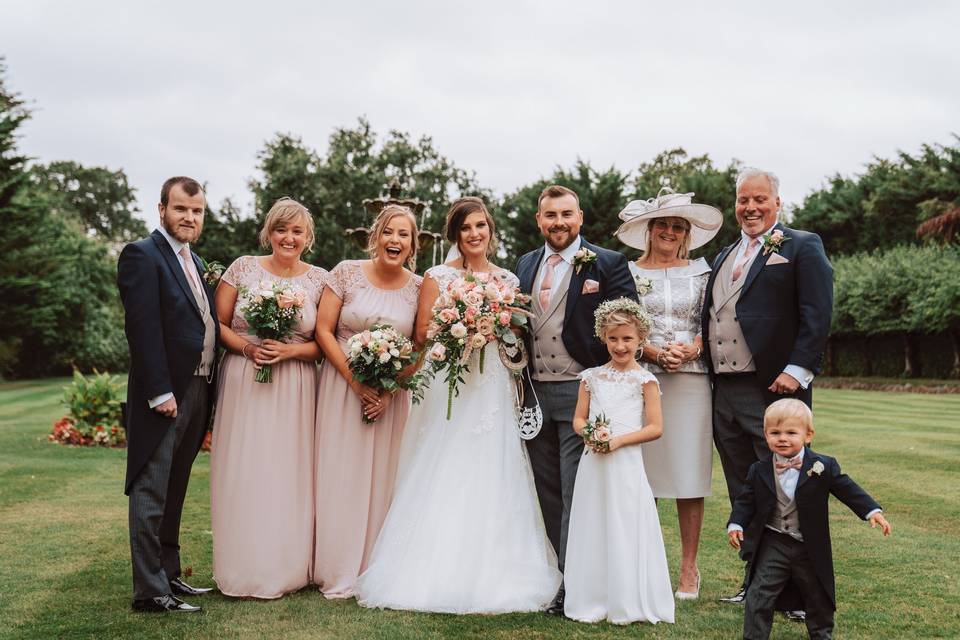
509	90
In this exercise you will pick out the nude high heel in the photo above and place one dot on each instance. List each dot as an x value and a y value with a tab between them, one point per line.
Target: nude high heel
689	595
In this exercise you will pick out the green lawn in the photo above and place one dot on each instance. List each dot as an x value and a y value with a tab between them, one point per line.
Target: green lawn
64	569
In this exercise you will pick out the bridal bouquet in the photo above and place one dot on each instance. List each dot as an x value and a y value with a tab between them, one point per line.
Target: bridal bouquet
272	311
378	355
473	310
596	434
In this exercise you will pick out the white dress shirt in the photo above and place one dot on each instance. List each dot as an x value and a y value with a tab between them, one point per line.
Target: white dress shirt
800	374
177	246
560	270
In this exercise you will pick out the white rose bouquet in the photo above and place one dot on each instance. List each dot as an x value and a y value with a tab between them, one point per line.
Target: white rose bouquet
272	311
473	311
377	356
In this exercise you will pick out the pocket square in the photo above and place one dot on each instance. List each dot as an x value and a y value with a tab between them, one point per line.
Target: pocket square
777	259
590	286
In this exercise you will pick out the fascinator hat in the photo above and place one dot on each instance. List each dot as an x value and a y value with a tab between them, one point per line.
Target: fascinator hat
705	221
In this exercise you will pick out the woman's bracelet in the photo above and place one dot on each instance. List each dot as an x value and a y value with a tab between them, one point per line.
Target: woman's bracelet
659	354
243	351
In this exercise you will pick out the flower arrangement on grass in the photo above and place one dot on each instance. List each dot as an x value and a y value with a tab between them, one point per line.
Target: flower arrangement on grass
94	412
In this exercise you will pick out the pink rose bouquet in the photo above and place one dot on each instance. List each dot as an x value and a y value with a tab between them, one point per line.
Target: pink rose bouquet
272	311
473	311
376	357
597	433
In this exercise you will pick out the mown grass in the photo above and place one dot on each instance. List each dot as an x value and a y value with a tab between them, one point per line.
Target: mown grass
64	568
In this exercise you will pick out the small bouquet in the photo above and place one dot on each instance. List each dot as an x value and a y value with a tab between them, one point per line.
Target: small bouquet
596	434
272	310
474	310
376	357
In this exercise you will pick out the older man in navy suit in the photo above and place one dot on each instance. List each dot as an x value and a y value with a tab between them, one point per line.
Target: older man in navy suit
172	331
567	278
765	323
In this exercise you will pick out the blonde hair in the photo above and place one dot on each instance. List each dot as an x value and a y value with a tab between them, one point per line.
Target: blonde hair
683	252
387	214
787	408
286	211
618	313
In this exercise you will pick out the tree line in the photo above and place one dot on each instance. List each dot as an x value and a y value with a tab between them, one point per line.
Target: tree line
64	224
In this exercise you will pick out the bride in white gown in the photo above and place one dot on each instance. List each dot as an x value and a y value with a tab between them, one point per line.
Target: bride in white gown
464	533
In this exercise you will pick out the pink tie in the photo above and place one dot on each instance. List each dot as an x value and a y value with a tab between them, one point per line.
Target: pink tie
792	463
745	258
546	285
192	276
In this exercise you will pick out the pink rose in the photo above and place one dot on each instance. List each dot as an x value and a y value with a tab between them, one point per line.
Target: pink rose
285	301
485	325
432	330
449	315
505	318
601	434
438	352
473	299
470	313
776	235
300	296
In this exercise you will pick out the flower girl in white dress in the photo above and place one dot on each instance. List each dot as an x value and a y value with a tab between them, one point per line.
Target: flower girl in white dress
616	567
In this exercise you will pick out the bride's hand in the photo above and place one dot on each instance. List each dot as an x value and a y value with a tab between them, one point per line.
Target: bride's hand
373	410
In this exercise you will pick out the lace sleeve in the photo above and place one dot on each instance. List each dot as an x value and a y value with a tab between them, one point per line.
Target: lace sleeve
587	376
345	276
238	269
644	376
318	277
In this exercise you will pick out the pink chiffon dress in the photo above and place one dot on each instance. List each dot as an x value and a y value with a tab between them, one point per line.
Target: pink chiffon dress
356	462
262	467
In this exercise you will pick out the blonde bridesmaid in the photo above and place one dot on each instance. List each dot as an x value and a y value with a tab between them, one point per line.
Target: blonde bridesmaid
357	461
262	467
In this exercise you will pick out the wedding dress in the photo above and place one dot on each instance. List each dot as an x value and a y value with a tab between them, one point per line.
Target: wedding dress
464	533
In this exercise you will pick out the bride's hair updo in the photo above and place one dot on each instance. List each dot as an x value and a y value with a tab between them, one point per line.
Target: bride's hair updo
387	214
618	313
458	212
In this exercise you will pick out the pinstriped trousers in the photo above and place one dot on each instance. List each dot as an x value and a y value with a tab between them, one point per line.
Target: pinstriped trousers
157	494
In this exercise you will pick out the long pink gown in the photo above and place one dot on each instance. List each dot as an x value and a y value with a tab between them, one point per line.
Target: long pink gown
261	468
356	462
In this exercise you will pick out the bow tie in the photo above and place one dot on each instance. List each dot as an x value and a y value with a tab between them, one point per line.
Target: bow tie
792	463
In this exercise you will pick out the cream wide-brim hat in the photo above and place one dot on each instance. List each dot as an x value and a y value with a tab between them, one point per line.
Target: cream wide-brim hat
705	221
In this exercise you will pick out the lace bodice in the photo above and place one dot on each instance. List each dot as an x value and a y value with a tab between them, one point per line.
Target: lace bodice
445	274
246	271
365	304
618	395
674	300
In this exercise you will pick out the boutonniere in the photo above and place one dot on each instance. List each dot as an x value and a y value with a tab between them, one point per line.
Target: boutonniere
817	468
583	257
644	285
773	242
212	271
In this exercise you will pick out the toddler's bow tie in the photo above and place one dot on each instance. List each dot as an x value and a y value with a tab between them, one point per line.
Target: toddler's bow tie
792	463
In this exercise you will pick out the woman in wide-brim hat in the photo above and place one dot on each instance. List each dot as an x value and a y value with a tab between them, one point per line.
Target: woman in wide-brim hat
670	287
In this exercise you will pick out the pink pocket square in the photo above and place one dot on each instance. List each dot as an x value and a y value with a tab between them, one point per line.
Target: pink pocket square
776	258
590	286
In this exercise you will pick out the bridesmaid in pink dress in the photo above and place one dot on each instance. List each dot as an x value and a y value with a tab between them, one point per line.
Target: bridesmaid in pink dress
356	461
261	469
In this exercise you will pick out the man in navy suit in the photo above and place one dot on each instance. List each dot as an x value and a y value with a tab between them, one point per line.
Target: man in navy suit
781	517
567	279
766	317
172	331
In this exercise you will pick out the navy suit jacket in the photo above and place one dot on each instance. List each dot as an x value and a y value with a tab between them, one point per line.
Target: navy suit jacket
757	502
784	309
165	329
610	270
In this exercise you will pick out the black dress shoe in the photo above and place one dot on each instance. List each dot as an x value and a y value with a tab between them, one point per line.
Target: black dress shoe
163	604
180	587
797	615
556	607
736	599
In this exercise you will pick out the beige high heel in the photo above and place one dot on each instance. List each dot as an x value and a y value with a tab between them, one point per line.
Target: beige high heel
689	595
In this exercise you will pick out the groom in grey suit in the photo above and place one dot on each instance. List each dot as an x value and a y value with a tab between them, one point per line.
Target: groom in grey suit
567	286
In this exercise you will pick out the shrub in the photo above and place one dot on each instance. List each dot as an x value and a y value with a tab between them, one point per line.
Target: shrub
94	412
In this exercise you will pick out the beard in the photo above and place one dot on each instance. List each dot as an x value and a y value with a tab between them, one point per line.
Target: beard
570	239
182	234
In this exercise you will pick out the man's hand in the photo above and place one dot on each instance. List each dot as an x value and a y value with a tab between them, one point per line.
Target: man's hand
878	519
735	537
167	408
785	384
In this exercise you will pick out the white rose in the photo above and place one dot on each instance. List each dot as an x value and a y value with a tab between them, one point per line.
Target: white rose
458	330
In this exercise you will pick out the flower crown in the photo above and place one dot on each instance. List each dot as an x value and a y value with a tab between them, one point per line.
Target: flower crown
619	305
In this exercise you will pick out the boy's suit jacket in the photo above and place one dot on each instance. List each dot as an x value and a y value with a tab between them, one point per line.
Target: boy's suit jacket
758	501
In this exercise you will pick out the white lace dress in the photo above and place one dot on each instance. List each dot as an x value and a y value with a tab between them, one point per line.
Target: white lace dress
616	567
464	533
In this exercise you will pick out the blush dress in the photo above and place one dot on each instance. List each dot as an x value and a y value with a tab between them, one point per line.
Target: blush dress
356	462
261	466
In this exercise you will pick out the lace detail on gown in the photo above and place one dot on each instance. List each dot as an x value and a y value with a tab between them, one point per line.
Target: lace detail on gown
618	395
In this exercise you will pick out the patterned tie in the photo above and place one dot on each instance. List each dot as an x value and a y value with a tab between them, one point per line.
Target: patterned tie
546	285
792	463
192	276
745	258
